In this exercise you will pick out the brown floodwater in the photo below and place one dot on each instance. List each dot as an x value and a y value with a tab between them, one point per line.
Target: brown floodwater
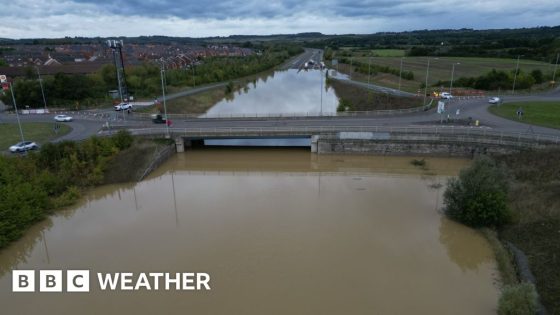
280	231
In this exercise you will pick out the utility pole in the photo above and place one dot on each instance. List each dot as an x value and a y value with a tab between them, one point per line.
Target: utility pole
555	67
400	73
163	91
193	79
41	85
452	73
321	71
369	71
515	75
426	83
17	114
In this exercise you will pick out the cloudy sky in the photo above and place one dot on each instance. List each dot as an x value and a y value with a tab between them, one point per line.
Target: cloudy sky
201	18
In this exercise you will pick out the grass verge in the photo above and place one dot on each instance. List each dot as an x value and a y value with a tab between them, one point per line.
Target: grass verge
546	114
361	99
37	132
535	201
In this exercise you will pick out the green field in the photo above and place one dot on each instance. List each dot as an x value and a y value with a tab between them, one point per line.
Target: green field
38	132
357	52
545	114
441	68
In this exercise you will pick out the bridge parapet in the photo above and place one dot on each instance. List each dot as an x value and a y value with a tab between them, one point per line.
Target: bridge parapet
447	134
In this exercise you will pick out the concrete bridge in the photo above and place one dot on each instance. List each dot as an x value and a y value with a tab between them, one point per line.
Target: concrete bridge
444	140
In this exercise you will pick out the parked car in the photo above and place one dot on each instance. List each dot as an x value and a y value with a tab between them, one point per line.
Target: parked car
123	106
63	118
495	100
446	95
158	119
24	146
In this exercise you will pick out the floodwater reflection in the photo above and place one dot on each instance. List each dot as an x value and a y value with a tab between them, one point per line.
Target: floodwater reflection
279	231
284	92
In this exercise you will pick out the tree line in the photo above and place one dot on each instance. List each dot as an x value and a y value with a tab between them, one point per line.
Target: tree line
538	43
499	80
74	90
33	186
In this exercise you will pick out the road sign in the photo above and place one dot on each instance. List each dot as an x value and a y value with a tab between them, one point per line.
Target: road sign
5	86
3	78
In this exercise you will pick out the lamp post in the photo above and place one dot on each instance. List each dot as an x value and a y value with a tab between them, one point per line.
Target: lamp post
17	114
400	73
369	71
193	79
163	92
555	67
515	75
452	74
41	85
426	83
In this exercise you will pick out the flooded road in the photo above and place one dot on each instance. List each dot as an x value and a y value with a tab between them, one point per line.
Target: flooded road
289	92
280	231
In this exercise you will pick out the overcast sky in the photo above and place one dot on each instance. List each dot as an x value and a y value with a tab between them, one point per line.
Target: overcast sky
201	18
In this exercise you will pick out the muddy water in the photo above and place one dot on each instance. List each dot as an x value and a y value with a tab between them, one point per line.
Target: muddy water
279	232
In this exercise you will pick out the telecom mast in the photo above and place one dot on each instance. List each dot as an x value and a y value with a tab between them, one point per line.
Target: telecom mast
116	46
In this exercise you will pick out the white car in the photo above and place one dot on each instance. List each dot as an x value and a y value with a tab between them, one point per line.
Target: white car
123	106
446	95
24	146
495	100
63	118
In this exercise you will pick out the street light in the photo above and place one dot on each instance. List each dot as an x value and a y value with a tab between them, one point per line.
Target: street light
452	73
162	72
555	67
426	83
515	75
41	85
17	115
400	73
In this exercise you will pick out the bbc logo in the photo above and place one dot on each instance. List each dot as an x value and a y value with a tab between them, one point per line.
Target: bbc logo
50	281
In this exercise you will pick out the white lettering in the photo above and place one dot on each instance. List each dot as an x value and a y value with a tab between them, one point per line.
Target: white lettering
202	279
112	282
169	280
126	281
142	282
156	276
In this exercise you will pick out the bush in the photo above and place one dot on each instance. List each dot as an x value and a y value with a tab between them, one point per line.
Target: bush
520	299
123	139
478	196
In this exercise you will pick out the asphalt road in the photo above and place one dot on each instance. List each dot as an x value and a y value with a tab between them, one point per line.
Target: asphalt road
88	123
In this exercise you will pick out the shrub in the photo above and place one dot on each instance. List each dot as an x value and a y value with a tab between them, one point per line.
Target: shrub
520	299
123	139
478	196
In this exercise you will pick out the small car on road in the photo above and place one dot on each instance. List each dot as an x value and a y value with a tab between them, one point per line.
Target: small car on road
123	106
495	100
24	146
63	118
446	95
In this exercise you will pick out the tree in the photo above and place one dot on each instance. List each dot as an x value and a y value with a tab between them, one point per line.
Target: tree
478	196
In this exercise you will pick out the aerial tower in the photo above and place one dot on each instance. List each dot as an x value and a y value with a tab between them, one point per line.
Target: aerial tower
116	47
